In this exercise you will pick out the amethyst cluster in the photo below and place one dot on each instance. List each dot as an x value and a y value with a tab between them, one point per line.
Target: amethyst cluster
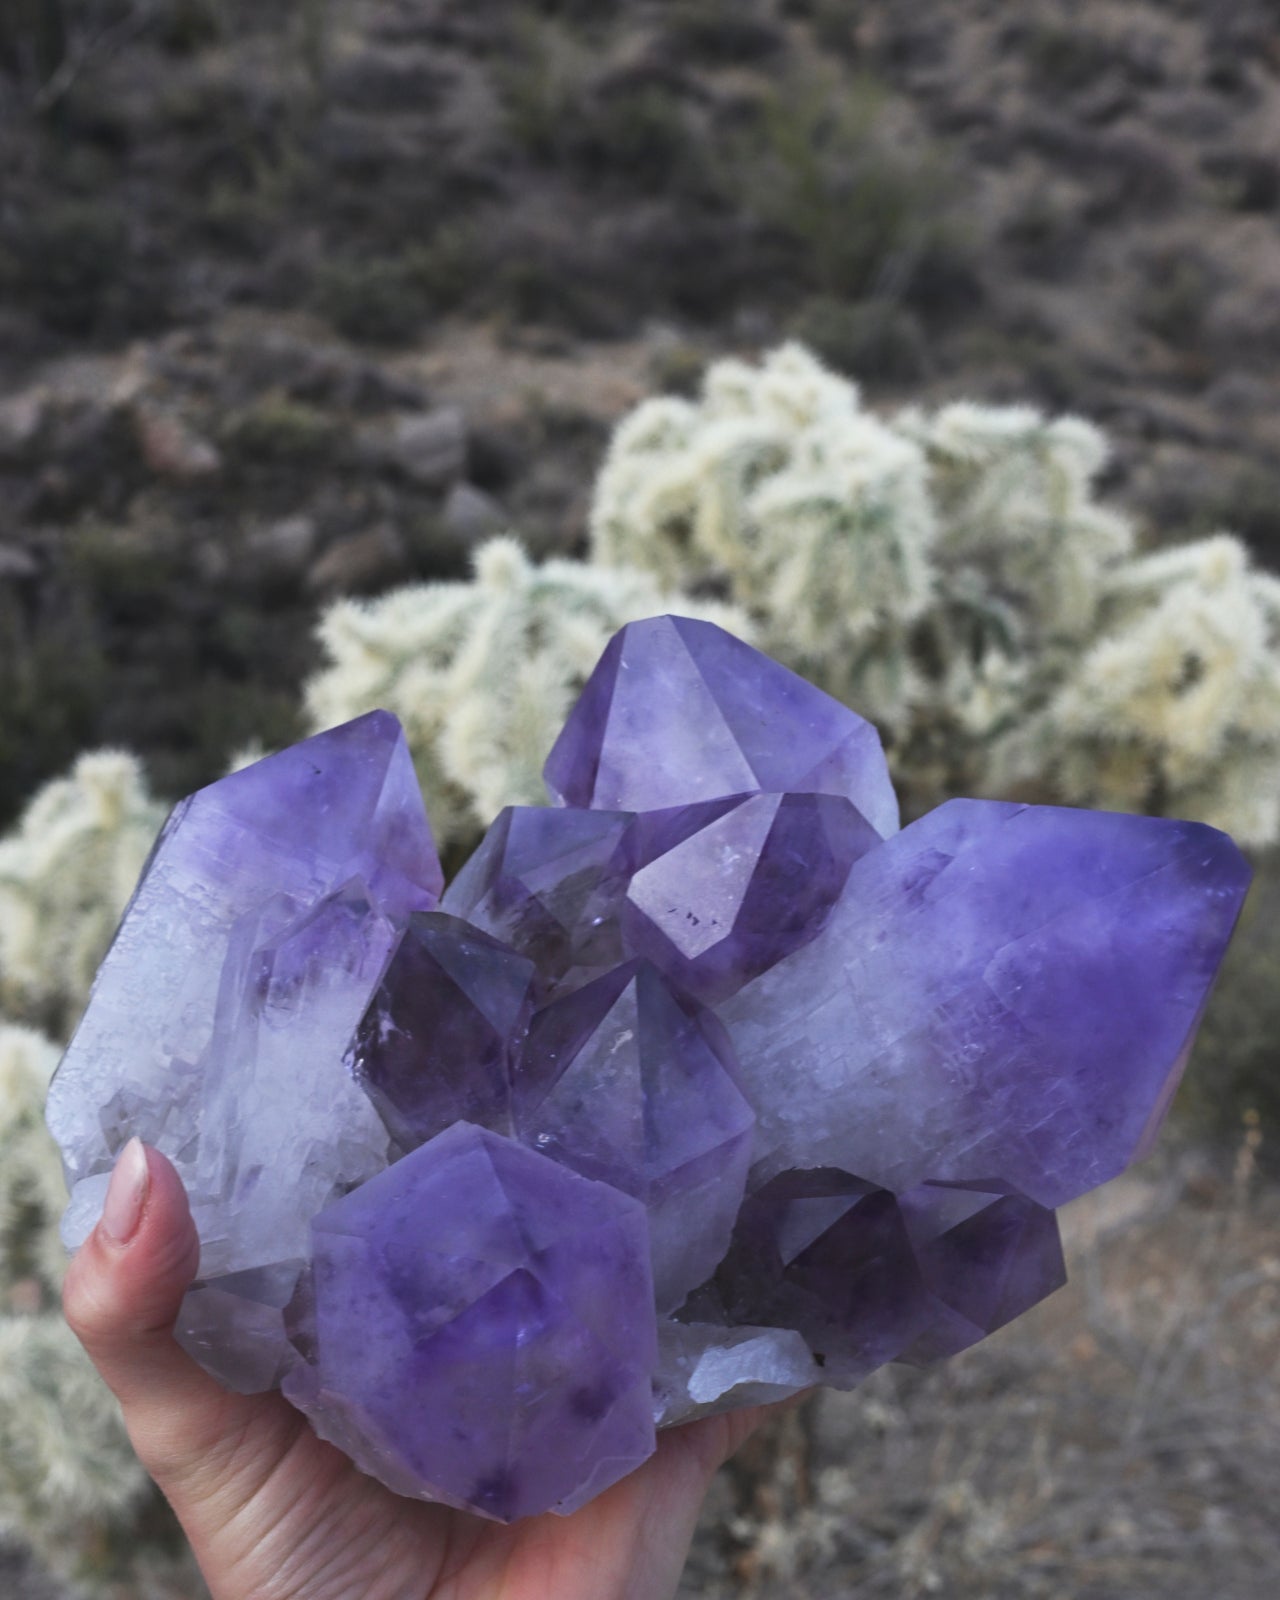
705	1084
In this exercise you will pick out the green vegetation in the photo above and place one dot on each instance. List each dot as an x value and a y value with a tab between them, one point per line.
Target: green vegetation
275	429
862	213
375	302
636	133
876	341
66	258
33	37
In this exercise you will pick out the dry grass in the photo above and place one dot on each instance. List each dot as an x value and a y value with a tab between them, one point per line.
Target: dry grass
1121	1441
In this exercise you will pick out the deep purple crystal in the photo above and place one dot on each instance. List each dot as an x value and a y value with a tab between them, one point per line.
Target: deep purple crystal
619	1082
678	711
986	1254
439	1040
483	1328
828	1255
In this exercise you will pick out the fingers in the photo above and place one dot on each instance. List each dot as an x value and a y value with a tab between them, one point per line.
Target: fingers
121	1296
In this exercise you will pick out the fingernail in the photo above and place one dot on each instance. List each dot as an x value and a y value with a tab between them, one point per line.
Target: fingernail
126	1194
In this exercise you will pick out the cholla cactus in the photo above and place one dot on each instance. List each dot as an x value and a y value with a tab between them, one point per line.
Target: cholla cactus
66	1467
815	514
482	673
1178	701
1014	497
32	1193
66	874
67	1471
953	576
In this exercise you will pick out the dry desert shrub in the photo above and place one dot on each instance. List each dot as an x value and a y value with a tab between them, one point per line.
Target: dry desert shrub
1122	1440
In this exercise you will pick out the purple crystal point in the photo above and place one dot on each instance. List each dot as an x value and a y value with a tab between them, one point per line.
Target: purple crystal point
437	1043
679	710
620	1083
986	1253
725	903
1004	989
347	803
218	1020
548	883
827	1254
483	1329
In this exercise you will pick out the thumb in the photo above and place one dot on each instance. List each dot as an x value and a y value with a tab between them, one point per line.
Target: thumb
121	1297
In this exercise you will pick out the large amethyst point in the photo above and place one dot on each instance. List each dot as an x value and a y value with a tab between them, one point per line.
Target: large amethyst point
619	1082
218	1020
1002	989
679	710
483	1329
439	1039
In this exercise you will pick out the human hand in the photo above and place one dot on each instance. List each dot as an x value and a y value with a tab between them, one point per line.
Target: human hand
275	1513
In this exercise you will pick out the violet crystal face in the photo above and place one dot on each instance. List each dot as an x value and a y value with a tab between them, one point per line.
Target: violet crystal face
483	1328
703	1085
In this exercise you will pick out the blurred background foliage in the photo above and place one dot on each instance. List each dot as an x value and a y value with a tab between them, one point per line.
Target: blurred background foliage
302	305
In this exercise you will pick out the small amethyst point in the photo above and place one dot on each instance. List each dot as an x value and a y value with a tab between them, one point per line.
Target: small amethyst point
549	883
730	900
986	1253
234	1326
620	1083
437	1043
824	1253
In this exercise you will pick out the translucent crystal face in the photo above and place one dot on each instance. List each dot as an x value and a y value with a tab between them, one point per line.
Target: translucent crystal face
679	711
702	1086
619	1082
256	939
500	1357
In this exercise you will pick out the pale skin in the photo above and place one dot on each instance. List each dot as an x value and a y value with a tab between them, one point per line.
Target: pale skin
274	1513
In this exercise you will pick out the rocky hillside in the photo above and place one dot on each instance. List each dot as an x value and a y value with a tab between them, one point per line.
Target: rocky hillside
303	300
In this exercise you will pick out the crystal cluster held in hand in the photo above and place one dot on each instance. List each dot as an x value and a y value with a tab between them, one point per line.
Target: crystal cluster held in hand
702	1085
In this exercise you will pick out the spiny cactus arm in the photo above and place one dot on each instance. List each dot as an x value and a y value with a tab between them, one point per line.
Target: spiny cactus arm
790	390
1016	494
32	1192
66	873
814	514
1180	698
67	1472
